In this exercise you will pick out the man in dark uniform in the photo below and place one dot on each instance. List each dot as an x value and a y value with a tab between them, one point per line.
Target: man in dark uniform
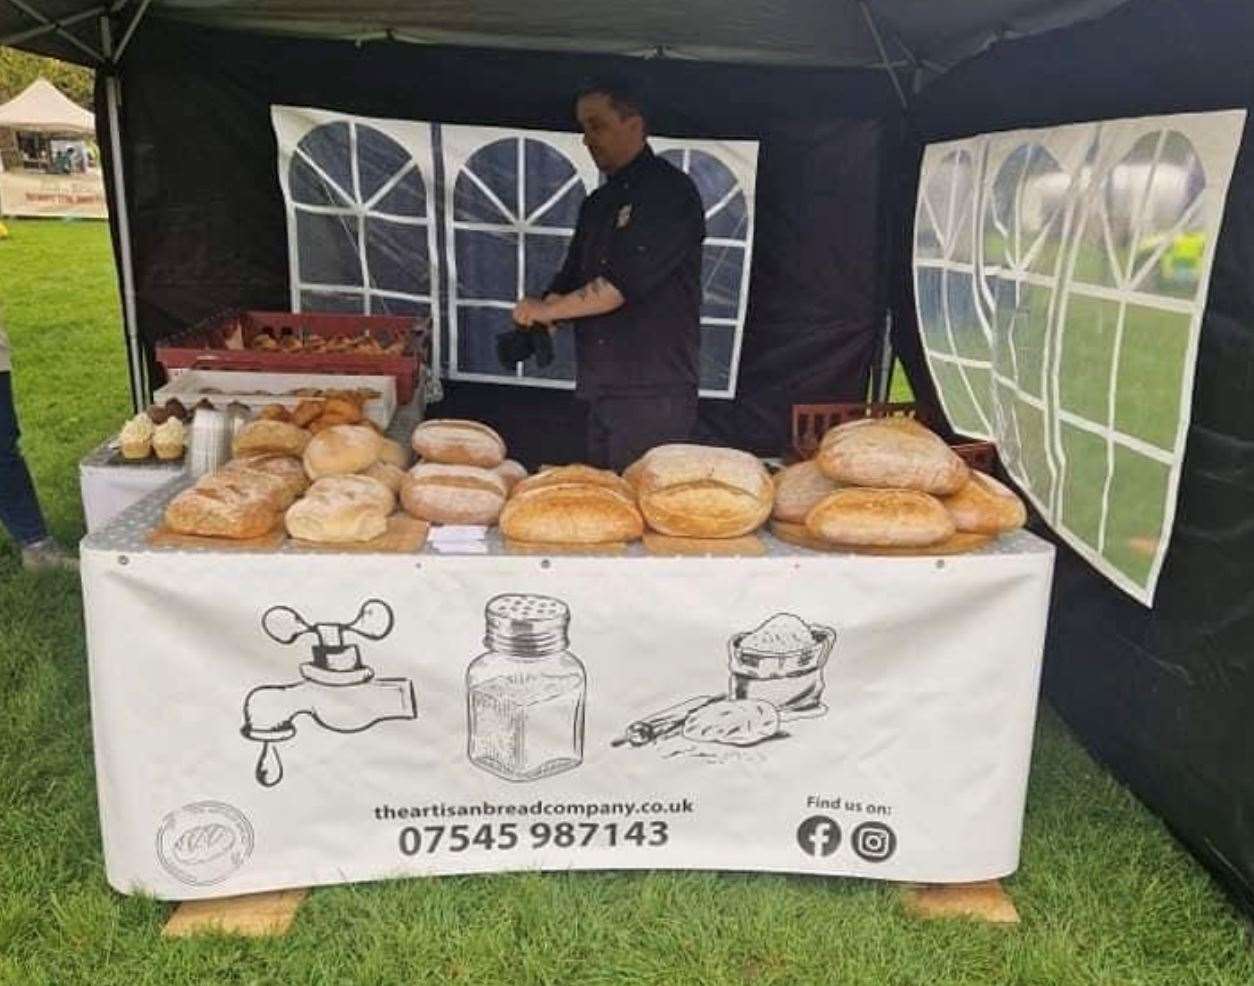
631	285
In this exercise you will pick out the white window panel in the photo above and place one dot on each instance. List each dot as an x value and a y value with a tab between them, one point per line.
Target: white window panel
1060	279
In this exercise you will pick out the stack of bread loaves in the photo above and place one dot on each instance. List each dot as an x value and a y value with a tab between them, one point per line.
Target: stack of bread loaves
355	474
891	483
701	492
463	476
572	505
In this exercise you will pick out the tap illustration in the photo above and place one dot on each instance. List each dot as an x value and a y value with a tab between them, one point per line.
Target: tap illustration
337	691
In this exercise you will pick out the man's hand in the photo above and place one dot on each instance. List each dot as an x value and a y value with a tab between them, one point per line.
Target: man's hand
531	313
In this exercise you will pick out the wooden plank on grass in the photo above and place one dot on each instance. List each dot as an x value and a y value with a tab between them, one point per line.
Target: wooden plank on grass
251	915
984	901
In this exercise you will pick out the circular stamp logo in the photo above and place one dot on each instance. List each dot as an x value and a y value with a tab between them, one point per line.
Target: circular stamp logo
204	843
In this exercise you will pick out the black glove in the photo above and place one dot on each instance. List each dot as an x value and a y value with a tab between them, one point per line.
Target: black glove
521	344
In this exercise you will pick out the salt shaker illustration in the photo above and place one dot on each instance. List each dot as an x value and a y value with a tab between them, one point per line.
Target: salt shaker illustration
525	696
337	691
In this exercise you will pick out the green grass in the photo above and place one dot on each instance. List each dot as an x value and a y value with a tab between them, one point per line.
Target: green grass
1105	895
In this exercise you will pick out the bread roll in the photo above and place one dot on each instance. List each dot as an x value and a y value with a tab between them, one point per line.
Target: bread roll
339	509
456	442
446	494
512	472
387	474
270	436
631	475
394	453
985	506
695	491
891	453
880	518
797	489
222	508
341	451
287	469
578	475
571	513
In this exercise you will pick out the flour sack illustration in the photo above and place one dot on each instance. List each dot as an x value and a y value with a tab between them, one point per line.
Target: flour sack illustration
337	691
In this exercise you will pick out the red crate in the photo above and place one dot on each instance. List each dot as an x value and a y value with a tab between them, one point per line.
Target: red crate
204	346
810	422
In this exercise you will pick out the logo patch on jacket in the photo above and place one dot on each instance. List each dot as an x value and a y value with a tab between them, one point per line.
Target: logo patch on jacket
624	216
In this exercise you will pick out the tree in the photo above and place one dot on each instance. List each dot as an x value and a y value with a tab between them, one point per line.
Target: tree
19	69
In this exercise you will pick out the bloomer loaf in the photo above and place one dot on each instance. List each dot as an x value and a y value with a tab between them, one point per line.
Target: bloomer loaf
446	494
891	453
985	506
270	436
571	513
695	491
880	518
797	489
578	475
456	442
341	450
225	506
340	509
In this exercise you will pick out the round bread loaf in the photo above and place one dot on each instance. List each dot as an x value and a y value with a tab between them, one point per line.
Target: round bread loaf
985	506
387	474
891	453
797	489
448	494
341	509
695	491
512	472
394	453
225	506
880	518
578	475
456	442
571	513
270	436
287	470
341	450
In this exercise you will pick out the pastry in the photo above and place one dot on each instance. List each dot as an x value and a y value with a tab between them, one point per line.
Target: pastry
275	412
341	450
270	436
891	453
880	518
176	408
458	442
797	489
136	437
169	439
695	491
571	513
985	506
306	411
340	509
452	494
157	414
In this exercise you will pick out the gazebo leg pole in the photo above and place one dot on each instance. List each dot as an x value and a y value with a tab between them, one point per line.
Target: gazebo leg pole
135	352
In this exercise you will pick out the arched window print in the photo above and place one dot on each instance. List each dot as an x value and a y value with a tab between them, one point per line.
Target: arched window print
359	223
724	264
514	204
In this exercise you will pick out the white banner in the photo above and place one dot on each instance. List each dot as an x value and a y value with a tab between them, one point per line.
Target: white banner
266	721
29	193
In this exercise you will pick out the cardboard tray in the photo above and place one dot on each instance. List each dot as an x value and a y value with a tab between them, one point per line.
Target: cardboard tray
234	387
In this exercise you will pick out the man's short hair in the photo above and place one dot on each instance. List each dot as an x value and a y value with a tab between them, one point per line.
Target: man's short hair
623	96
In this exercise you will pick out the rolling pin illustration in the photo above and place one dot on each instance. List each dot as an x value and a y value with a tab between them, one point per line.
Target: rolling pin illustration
665	723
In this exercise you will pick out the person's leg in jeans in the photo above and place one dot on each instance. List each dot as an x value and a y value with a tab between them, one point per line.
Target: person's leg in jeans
19	507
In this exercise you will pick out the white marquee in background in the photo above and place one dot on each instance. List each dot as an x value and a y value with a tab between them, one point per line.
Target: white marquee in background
1048	264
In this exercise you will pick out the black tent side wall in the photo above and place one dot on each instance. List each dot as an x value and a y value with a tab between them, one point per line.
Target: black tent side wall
1165	697
209	228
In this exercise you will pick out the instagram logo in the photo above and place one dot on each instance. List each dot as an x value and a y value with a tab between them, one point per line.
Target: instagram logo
873	841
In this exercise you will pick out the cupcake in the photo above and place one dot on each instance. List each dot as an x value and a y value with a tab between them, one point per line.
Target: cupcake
136	437
169	438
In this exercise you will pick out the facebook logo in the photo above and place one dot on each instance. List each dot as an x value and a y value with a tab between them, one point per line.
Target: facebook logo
818	835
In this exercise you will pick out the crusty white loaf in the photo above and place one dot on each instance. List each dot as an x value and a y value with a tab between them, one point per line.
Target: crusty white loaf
891	453
696	491
342	450
797	489
577	475
450	494
880	518
387	474
341	509
985	506
270	436
285	471
457	442
571	513
394	453
512	472
225	506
